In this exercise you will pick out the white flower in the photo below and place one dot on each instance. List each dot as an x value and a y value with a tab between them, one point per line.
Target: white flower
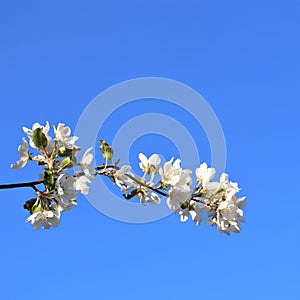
149	164
230	211
180	182
45	129
46	219
122	180
195	210
86	164
149	197
62	136
225	188
81	184
177	196
23	156
230	188
204	174
185	180
196	213
65	192
229	214
170	174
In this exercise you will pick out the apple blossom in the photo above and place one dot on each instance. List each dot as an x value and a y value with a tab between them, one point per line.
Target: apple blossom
45	129
170	173
23	156
204	174
62	136
120	177
148	196
81	184
86	164
149	164
177	196
65	191
46	219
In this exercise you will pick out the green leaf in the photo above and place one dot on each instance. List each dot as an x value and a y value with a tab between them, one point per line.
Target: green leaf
29	204
49	180
106	150
39	139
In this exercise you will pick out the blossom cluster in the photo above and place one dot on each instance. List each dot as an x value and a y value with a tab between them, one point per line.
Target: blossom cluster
56	155
215	199
214	202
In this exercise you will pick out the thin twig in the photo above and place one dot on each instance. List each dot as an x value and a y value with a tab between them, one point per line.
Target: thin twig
147	186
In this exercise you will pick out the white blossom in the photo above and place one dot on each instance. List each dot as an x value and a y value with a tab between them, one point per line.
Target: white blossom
229	214
204	174
194	210
170	173
81	184
45	130
149	197
23	156
230	188
86	164
198	210
185	179
148	164
222	189
46	219
64	138
177	196
122	180
65	191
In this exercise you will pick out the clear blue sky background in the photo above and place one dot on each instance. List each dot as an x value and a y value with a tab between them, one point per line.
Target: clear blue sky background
243	57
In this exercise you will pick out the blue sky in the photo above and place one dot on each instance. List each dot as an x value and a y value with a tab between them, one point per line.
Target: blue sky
243	57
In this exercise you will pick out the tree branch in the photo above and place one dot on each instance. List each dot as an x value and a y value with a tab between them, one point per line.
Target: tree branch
31	184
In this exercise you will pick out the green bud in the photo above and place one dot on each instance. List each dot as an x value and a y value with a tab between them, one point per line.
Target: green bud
66	163
49	180
106	150
39	138
37	207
